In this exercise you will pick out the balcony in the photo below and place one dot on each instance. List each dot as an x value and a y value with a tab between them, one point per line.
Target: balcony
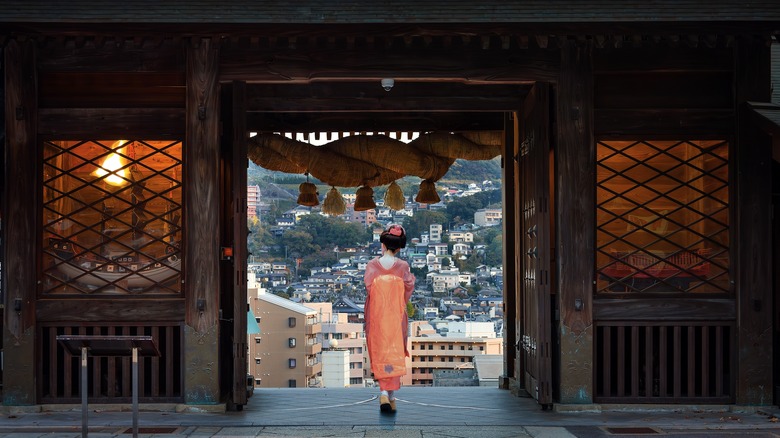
313	348
314	369
314	328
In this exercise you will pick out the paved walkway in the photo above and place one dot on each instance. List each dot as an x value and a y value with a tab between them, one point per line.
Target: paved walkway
422	412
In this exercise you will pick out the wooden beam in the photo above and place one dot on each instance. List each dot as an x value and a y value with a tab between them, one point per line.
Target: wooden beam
652	309
21	236
753	250
201	183
370	122
492	66
575	202
201	259
112	90
117	311
661	122
149	123
510	223
369	96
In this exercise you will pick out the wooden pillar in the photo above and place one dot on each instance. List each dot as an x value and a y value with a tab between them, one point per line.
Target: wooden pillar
20	224
753	227
201	188
510	224
575	159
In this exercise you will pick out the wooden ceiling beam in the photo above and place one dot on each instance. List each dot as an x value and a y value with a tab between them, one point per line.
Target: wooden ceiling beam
363	122
370	96
476	66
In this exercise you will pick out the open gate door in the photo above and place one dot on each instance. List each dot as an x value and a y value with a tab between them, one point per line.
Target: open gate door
534	337
233	266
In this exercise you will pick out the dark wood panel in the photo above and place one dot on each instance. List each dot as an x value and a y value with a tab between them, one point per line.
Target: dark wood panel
663	60
112	54
681	90
369	96
663	122
574	224
20	198
510	232
201	164
411	65
664	309
156	123
118	310
112	90
365	122
753	227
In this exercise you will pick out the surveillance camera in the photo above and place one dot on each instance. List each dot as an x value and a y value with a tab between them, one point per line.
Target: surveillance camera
387	84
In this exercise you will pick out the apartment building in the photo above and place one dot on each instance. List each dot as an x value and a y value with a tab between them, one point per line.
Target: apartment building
348	335
252	201
461	237
434	233
287	352
436	353
487	217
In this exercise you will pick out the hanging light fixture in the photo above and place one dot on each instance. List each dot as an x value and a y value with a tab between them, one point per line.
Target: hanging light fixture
113	166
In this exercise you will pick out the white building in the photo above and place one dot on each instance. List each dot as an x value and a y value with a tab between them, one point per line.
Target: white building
488	217
461	237
434	233
471	329
335	368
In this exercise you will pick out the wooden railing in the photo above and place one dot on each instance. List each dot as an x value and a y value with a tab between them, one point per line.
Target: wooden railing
667	362
160	378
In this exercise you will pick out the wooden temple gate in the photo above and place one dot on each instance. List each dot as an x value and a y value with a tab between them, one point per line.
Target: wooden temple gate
637	191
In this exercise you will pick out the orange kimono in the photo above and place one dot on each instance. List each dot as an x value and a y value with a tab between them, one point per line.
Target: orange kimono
386	321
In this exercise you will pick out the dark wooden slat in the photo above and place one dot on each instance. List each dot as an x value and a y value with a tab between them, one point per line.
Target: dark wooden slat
201	183
155	364
54	362
115	55
719	360
111	371
673	309
481	66
649	361
607	360
693	369
574	154
705	361
621	360
510	231
676	388
118	310
705	123
635	361
156	123
127	373
170	364
67	369
662	368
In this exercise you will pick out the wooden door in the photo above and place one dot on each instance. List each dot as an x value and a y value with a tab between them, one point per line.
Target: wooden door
534	264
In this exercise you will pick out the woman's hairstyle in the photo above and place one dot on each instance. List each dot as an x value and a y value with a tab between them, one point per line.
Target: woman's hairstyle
394	237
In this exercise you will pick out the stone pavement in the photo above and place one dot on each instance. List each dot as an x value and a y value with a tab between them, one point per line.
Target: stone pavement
422	412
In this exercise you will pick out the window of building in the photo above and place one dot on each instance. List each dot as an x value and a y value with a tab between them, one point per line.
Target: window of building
442	358
291	321
292	383
481	348
355	380
442	347
430	358
258	339
258	382
257	360
451	359
462	359
422	358
662	217
258	318
291	363
462	347
291	342
111	217
450	347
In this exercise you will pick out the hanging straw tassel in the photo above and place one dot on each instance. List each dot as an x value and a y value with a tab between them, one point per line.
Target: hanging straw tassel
394	197
334	203
308	195
364	199
427	193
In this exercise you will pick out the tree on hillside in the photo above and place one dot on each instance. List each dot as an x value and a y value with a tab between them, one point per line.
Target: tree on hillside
421	222
462	210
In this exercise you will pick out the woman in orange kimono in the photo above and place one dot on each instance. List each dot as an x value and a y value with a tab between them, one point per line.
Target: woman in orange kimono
389	285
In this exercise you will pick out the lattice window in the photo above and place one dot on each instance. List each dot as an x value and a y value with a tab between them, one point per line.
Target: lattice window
111	217
662	216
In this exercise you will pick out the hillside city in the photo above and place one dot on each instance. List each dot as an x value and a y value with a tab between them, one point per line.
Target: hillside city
306	289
